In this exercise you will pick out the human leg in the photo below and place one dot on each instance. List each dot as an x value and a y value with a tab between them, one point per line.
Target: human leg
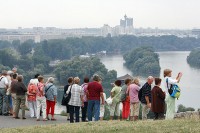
44	105
96	110
18	102
84	111
39	104
71	112
23	106
77	109
90	109
145	111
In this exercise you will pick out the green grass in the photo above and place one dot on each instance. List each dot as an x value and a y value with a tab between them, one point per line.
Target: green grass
164	126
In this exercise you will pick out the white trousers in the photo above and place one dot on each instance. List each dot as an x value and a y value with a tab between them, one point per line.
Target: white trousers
32	108
145	111
41	103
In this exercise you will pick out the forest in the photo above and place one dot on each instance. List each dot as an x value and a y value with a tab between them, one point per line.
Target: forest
31	58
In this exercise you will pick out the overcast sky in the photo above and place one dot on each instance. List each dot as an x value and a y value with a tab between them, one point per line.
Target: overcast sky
181	14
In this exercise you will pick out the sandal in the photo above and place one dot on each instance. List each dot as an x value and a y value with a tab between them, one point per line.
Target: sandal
45	119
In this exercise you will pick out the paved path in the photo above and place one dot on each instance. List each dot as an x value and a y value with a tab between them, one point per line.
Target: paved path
9	122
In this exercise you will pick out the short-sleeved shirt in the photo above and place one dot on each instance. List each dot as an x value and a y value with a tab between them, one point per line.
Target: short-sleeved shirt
52	91
32	89
170	82
3	82
133	93
84	89
146	91
116	93
76	93
40	91
94	89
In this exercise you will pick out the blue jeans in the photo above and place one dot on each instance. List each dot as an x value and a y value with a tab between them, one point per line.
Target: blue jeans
3	101
93	106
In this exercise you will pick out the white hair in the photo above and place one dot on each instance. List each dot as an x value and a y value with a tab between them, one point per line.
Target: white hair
51	79
150	77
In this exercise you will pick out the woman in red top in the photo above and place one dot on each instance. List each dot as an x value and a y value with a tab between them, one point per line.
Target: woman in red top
32	89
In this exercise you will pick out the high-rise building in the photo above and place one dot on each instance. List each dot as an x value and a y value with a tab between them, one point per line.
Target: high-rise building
126	25
127	22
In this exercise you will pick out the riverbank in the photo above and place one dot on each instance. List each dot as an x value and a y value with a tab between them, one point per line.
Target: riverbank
174	126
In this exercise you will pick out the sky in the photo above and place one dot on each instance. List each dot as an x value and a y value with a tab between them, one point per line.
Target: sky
164	14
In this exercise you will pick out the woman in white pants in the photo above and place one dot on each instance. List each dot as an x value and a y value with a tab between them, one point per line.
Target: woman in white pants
41	100
32	88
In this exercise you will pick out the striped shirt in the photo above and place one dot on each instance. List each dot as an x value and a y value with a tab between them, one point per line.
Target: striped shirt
76	93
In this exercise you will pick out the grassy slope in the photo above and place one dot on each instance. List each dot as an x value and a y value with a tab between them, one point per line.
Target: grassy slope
175	126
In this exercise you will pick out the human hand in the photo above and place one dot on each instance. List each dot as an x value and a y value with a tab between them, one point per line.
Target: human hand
103	102
180	74
149	105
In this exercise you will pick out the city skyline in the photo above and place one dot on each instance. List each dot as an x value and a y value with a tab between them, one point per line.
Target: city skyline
165	14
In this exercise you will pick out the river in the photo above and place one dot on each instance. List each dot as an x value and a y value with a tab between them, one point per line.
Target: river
176	61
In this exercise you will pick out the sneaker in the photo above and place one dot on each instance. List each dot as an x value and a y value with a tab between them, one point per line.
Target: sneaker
17	117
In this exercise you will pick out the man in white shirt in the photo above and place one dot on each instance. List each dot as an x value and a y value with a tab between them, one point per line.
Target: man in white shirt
3	96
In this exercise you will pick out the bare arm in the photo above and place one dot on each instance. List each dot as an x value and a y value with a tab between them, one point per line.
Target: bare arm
147	99
179	77
55	99
102	97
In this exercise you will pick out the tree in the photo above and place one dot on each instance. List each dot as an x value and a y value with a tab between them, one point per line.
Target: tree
82	67
143	61
26	47
182	108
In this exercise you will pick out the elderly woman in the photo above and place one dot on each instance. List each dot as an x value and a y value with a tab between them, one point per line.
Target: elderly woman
70	82
20	96
51	97
133	91
76	100
115	95
84	89
125	100
158	100
40	99
32	89
170	101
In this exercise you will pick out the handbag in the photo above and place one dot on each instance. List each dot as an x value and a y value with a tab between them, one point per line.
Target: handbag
66	97
109	101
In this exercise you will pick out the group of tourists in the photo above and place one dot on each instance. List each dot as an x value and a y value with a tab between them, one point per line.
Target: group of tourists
91	99
39	96
88	98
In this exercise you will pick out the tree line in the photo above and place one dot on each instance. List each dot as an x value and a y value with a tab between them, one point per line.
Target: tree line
33	58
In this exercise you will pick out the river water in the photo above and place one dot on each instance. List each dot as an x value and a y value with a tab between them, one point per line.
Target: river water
174	60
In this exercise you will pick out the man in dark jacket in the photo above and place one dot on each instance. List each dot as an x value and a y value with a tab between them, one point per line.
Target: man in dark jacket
146	97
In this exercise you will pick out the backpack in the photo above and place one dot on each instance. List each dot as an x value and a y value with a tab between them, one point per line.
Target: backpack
123	95
140	94
174	90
